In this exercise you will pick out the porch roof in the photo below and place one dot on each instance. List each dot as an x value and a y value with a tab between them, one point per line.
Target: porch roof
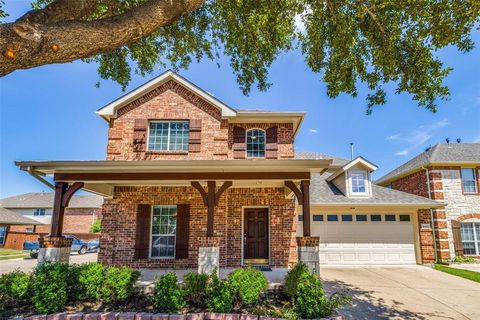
100	176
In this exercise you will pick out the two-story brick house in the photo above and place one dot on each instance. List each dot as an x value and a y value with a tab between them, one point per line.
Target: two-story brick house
449	173
192	183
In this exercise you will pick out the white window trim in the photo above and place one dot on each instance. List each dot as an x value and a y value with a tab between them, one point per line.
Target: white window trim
40	210
475	240
366	181
474	180
264	144
151	235
168	136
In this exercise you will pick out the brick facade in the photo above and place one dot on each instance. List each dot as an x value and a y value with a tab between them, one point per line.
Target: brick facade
445	186
119	225
171	101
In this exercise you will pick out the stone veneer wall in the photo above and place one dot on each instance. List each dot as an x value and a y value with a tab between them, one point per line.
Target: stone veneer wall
119	225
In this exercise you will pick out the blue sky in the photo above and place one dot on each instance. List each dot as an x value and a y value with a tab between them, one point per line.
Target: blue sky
47	113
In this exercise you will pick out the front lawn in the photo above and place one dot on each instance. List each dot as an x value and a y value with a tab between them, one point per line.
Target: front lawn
467	274
6	254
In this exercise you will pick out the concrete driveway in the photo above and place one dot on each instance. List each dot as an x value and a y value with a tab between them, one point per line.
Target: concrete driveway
29	264
407	292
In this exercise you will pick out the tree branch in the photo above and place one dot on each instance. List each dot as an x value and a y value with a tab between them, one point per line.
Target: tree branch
61	10
25	44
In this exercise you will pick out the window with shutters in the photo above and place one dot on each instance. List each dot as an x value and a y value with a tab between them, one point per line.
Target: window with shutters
255	143
164	227
470	234
168	136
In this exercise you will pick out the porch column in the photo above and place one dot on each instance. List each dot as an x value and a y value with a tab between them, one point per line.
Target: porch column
55	247
309	252
303	198
209	246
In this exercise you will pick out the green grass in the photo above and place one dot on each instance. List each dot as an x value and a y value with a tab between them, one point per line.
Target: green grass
6	254
467	274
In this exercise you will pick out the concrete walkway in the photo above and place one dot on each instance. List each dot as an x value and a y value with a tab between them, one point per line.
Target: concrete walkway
466	266
407	292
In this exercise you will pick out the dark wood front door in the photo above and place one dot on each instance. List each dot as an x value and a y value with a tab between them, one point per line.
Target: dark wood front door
255	235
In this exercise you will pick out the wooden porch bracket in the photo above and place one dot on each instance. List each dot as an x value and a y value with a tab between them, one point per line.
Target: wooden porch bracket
303	198
210	198
63	194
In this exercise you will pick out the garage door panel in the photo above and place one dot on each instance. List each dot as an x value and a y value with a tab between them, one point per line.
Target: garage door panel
357	243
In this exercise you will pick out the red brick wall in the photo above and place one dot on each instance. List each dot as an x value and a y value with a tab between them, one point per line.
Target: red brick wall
119	224
415	183
171	101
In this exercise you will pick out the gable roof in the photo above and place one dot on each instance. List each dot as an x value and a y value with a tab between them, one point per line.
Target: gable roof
323	192
358	160
45	200
439	154
110	110
13	218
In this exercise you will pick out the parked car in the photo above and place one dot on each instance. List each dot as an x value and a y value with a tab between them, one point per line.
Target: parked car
78	245
93	245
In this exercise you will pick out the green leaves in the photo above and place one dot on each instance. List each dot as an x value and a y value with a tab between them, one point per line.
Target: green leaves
375	42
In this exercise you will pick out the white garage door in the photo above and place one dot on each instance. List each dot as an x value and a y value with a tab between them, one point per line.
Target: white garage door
357	242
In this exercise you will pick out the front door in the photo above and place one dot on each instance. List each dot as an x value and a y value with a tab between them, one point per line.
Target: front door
255	236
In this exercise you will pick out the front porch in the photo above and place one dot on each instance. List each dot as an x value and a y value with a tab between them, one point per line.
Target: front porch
198	215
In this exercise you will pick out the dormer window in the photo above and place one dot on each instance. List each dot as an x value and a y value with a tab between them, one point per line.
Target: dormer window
358	182
256	143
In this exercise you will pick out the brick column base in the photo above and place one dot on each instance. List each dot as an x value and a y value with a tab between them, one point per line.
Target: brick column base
208	254
309	252
54	249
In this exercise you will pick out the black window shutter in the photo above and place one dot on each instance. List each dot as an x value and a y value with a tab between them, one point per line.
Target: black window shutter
239	145
183	231
142	238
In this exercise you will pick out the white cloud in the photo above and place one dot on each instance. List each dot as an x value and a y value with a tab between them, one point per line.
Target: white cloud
402	153
393	137
312	130
477	139
420	136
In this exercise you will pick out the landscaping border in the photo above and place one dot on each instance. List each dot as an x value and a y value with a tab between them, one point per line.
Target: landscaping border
152	316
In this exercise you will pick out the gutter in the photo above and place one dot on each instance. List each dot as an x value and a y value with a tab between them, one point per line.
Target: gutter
431	216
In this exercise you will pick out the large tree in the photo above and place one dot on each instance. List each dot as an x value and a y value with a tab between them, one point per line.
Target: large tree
346	41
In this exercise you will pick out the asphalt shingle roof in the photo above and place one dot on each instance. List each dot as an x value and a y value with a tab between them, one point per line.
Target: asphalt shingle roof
45	200
324	192
340	162
13	218
440	153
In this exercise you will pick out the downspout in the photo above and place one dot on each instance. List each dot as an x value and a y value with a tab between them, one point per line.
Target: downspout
431	216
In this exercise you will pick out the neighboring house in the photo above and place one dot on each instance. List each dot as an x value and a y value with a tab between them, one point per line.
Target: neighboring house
191	182
9	219
82	211
449	173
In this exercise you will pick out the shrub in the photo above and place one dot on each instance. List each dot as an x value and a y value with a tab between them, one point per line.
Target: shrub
96	226
195	286
247	285
310	301
169	296
49	287
292	278
464	259
14	289
219	298
91	278
119	284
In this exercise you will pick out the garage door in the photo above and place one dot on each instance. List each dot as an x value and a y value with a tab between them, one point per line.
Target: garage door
365	239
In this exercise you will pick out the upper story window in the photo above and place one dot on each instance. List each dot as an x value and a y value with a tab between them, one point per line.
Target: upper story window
358	182
469	182
255	143
168	136
39	212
